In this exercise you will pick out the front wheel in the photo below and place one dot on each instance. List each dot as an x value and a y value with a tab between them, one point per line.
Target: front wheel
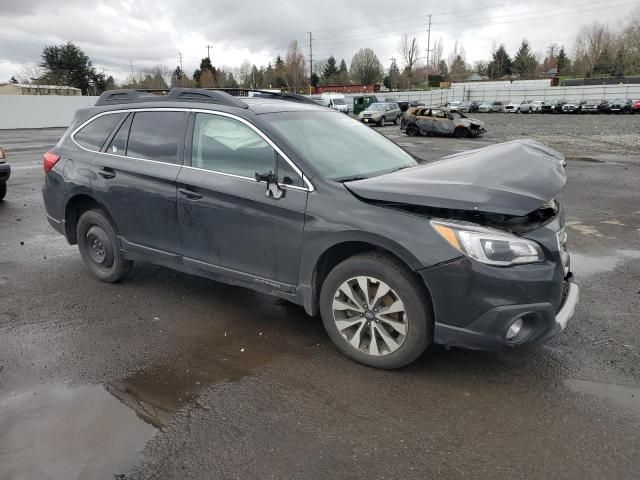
383	122
376	312
98	245
460	132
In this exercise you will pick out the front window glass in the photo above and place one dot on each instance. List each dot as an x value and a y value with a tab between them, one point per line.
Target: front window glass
339	146
226	145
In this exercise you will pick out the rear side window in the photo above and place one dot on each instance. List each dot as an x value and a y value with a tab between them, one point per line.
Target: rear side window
93	135
118	145
156	136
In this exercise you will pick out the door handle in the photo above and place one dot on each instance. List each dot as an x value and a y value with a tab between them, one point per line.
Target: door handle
106	172
190	194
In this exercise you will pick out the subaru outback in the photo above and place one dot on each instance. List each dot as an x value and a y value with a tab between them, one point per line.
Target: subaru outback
286	197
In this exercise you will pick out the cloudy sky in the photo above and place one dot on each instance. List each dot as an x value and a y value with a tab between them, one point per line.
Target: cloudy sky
120	34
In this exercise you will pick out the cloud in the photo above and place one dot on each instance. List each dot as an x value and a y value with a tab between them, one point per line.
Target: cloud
117	34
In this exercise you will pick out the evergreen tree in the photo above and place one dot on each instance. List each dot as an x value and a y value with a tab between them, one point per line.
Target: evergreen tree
525	62
343	74
177	77
392	79
564	64
330	70
604	62
68	65
13	80
500	64
443	69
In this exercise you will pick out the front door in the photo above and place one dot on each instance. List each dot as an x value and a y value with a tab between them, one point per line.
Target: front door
229	223
135	178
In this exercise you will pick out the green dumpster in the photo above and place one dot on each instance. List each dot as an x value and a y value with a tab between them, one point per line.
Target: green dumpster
362	102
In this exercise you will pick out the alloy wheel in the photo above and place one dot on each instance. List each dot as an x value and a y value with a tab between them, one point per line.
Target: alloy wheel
370	315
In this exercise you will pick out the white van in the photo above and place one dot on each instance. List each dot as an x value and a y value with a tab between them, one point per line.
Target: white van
336	101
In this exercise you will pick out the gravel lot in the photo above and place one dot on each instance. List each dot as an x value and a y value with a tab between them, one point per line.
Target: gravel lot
171	376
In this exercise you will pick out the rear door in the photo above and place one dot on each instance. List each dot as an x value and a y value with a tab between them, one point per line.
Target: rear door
230	224
134	177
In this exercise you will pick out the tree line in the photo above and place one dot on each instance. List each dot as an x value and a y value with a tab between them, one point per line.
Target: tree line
597	51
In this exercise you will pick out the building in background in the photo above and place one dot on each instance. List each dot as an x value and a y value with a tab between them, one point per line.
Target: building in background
34	89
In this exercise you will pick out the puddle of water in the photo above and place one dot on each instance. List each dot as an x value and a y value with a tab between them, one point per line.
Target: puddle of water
625	397
586	265
72	433
156	393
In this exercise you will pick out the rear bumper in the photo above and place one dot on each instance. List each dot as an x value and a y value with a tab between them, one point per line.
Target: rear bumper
5	172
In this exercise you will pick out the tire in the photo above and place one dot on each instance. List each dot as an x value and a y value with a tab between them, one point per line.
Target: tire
518	111
383	122
3	190
395	122
413	131
415	320
98	245
461	132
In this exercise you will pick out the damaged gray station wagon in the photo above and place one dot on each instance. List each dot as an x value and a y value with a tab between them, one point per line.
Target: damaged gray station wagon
278	194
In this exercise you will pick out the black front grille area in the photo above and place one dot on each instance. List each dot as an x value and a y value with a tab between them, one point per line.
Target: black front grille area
563	298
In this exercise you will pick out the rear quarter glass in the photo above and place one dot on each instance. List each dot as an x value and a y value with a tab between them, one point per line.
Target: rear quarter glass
93	135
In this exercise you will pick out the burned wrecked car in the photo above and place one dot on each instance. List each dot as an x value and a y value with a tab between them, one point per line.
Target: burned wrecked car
440	121
299	201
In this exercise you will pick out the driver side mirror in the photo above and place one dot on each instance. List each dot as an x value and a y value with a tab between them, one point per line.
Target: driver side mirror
273	189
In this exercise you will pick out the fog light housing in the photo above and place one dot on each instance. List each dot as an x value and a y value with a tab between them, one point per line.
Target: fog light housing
514	329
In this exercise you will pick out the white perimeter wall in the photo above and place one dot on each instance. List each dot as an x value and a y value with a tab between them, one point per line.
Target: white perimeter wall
42	111
39	111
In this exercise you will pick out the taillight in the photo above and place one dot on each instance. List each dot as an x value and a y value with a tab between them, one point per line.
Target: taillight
49	160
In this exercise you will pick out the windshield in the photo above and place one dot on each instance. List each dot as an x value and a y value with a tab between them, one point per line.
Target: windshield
339	146
338	101
377	107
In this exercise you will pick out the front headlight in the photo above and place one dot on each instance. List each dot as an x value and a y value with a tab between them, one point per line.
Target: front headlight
489	246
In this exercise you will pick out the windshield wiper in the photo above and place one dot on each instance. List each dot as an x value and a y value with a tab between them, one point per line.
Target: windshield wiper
350	179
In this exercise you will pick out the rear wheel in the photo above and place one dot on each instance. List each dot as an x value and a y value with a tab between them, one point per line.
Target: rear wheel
413	131
395	121
375	311
98	245
3	190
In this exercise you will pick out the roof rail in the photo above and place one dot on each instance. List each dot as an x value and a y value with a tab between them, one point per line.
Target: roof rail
131	95
244	92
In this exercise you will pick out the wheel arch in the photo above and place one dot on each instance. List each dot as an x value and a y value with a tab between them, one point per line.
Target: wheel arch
344	248
76	205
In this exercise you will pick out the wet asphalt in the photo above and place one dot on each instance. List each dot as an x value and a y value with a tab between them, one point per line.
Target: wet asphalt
167	375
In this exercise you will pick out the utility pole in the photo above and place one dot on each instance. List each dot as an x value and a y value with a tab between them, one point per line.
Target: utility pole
181	70
428	49
310	61
208	47
393	63
131	62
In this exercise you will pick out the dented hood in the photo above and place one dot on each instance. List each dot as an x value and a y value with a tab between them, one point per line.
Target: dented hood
512	178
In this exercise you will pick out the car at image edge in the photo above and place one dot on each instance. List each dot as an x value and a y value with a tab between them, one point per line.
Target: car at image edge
5	173
307	204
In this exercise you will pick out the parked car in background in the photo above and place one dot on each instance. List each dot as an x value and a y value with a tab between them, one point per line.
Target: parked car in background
497	107
464	107
440	121
416	103
484	107
536	106
523	106
381	113
474	107
336	101
5	173
556	106
595	106
621	105
403	104
453	106
635	106
572	106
